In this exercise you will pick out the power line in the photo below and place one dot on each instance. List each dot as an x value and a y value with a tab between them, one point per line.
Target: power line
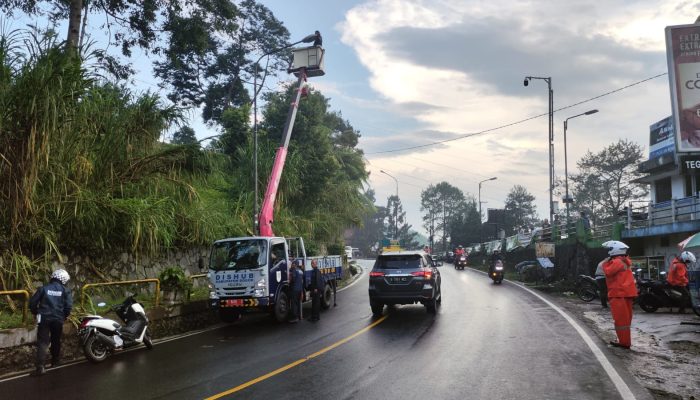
468	135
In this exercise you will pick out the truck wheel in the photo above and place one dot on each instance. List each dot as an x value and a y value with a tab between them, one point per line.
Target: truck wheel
229	316
281	307
326	297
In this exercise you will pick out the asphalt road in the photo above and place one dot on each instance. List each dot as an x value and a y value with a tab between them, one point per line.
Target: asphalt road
486	342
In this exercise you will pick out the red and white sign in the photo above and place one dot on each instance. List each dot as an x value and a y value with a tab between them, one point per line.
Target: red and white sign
683	53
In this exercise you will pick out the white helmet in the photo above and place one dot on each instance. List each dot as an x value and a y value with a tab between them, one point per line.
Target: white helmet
61	275
616	248
688	257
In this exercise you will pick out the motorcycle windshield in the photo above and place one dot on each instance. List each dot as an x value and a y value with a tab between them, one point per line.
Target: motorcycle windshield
238	255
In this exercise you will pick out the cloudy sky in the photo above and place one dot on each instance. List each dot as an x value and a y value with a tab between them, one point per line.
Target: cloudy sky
412	72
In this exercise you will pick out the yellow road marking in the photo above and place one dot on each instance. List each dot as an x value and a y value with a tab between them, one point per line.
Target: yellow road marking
297	362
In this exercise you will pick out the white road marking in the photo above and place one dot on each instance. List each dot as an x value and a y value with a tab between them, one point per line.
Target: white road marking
622	388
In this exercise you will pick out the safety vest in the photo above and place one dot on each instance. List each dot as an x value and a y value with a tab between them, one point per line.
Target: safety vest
619	277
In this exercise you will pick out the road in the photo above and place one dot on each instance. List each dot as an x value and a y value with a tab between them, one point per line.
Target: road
486	341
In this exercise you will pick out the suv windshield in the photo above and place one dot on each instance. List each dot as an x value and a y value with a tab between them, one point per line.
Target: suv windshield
398	262
238	254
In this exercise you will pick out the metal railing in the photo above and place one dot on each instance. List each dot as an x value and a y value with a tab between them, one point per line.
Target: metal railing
25	308
667	212
192	278
83	292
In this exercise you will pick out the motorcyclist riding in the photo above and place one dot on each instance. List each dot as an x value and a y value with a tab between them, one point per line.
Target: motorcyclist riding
495	257
678	275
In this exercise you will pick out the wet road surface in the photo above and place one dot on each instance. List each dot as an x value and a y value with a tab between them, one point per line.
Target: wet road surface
486	341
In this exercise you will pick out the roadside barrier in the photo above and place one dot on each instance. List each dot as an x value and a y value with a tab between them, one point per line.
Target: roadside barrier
25	309
83	291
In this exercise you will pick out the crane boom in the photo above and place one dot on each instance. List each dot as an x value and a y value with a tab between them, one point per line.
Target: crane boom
266	217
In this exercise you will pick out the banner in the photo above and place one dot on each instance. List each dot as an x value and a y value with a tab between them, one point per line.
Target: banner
543	249
662	138
683	55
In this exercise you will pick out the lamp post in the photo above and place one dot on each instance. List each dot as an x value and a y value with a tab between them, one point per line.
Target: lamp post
396	206
567	199
551	139
485	180
307	39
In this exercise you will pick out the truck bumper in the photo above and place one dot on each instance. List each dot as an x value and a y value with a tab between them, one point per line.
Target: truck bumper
242	304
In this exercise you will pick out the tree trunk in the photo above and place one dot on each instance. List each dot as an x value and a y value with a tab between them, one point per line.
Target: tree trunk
74	20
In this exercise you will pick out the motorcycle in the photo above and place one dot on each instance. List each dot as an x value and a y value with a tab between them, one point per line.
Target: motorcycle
101	336
497	272
460	262
657	294
587	288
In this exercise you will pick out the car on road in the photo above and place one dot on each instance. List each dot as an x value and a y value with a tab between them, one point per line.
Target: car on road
404	277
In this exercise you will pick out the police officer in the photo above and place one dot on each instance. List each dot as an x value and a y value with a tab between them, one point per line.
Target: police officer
297	285
51	304
316	287
621	290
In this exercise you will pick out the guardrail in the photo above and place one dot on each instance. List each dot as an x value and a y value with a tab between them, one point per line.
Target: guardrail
25	309
83	291
193	277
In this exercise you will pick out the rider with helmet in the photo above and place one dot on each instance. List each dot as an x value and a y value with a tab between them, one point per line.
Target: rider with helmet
678	275
621	290
495	257
51	304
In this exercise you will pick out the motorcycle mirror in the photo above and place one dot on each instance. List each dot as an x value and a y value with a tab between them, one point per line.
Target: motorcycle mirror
101	304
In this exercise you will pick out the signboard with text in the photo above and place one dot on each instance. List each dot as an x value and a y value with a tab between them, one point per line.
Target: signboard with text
662	139
683	54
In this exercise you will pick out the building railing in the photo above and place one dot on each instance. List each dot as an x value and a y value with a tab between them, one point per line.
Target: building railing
649	214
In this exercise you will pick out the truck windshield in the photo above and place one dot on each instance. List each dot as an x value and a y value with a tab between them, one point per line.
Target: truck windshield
238	254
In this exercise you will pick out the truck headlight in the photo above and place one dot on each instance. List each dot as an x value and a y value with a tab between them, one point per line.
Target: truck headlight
260	288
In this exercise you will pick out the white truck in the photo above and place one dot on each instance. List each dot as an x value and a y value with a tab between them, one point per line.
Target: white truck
251	274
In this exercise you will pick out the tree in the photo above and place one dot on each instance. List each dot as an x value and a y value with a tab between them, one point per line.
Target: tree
464	228
184	135
604	184
395	225
520	209
441	203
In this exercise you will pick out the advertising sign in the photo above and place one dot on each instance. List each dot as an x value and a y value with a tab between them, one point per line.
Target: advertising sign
683	54
662	139
543	249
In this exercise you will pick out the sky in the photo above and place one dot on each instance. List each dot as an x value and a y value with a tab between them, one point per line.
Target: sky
414	72
410	72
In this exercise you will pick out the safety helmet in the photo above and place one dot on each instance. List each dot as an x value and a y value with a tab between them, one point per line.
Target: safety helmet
688	257
616	248
61	275
460	246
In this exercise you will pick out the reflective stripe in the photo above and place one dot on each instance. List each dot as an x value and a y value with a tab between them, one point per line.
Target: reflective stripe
622	327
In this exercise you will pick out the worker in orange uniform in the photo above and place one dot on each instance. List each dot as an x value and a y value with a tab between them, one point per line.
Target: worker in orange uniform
621	290
678	276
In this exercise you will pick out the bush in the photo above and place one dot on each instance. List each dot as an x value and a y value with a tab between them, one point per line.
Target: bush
174	279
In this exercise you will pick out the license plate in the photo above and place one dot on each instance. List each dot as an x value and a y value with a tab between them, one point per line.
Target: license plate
399	279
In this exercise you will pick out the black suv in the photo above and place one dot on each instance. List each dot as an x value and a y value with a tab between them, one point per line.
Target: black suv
404	277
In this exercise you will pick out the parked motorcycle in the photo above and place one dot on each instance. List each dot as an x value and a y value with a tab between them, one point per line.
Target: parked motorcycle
460	262
497	272
587	288
657	294
101	336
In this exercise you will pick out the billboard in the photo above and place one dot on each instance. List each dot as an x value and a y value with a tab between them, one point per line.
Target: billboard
662	139
683	54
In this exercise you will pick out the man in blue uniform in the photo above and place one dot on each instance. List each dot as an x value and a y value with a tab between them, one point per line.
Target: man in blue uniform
51	304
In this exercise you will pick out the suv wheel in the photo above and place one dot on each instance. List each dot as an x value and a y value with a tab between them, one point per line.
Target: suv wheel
431	305
377	307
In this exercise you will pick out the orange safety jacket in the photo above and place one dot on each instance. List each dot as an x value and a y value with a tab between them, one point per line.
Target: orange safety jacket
677	273
619	277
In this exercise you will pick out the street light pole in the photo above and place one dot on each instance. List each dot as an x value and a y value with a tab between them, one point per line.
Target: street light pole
396	206
307	39
551	139
480	217
567	199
